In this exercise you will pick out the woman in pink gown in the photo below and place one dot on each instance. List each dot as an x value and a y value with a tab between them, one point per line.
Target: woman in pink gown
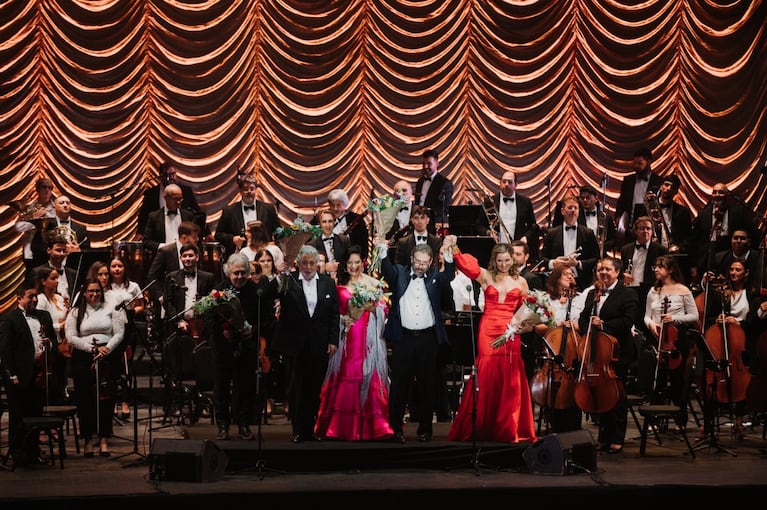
503	402
354	401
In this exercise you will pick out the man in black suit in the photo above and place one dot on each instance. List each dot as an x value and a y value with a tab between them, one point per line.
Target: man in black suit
63	226
57	254
154	199
594	216
433	190
333	246
346	222
516	217
571	245
638	258
307	333
401	226
32	218
25	333
531	343
415	331
714	225
162	224
230	231
630	204
612	308
420	222
740	248
182	288
676	235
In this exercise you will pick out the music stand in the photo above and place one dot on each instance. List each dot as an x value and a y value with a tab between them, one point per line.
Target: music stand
478	246
466	220
710	403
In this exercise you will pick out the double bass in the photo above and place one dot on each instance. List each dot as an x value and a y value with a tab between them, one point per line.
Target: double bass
553	384
597	388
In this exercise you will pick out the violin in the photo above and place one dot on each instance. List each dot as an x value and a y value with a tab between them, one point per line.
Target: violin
263	358
597	389
553	384
44	366
668	354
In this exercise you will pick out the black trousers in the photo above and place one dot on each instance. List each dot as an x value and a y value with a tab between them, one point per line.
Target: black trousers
413	357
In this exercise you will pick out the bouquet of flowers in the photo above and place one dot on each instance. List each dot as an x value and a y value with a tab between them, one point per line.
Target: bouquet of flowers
384	209
535	309
293	236
362	295
227	305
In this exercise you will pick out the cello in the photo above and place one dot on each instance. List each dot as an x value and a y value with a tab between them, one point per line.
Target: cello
597	389
553	384
729	379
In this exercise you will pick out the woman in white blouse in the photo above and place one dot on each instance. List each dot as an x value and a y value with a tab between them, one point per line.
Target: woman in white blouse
95	330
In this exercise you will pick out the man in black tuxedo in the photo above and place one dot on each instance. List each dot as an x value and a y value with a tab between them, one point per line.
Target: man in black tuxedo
515	215
414	336
154	199
162	225
333	246
740	248
718	220
420	222
594	216
33	216
638	258
25	333
433	190
182	288
401	226
57	254
571	245
346	222
678	220
63	226
230	231
612	308
630	204
307	333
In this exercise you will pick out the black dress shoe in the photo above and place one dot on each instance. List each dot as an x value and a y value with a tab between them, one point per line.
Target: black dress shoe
223	433
424	437
297	438
245	432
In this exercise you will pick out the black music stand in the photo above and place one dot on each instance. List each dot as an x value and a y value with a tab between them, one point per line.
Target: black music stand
459	335
478	246
710	402
467	220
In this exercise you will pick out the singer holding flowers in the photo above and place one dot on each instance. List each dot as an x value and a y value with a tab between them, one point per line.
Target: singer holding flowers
498	388
95	330
354	401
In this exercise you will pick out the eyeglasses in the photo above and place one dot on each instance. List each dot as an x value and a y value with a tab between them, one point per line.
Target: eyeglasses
739	238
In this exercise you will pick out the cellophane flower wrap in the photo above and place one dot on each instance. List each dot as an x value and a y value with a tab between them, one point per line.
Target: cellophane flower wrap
385	209
227	305
292	237
535	309
364	294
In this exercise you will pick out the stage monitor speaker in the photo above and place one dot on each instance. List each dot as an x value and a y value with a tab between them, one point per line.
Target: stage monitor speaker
186	460
562	454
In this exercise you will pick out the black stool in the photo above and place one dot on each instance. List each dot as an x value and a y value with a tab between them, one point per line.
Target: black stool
69	413
33	425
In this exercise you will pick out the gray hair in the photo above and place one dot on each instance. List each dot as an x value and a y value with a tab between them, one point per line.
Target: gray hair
338	195
311	251
233	259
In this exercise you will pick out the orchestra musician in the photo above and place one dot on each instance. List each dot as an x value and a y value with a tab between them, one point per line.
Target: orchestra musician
333	246
346	222
421	234
62	225
162	225
25	332
594	215
95	330
32	217
433	190
230	231
516	217
634	187
57	253
401	225
612	308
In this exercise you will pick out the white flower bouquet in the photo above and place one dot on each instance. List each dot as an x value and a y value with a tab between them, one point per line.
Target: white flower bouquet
363	294
535	309
384	209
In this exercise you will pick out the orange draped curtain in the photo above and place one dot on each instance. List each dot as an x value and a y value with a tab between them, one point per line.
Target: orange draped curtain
316	95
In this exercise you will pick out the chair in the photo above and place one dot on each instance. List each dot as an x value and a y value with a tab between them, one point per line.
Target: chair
69	414
34	425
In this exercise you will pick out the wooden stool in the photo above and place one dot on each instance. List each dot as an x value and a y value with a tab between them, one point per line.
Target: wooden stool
49	424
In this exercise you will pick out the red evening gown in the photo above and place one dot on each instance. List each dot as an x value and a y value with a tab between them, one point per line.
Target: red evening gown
504	404
354	401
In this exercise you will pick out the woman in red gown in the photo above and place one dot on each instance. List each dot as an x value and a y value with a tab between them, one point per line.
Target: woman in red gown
503	402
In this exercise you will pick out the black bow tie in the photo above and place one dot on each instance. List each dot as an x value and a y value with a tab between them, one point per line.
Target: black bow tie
590	213
508	199
414	276
189	274
664	206
172	213
420	238
570	227
250	207
427	179
406	208
605	292
327	239
641	247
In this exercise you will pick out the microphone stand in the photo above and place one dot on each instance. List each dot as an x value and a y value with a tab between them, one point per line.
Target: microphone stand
179	376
